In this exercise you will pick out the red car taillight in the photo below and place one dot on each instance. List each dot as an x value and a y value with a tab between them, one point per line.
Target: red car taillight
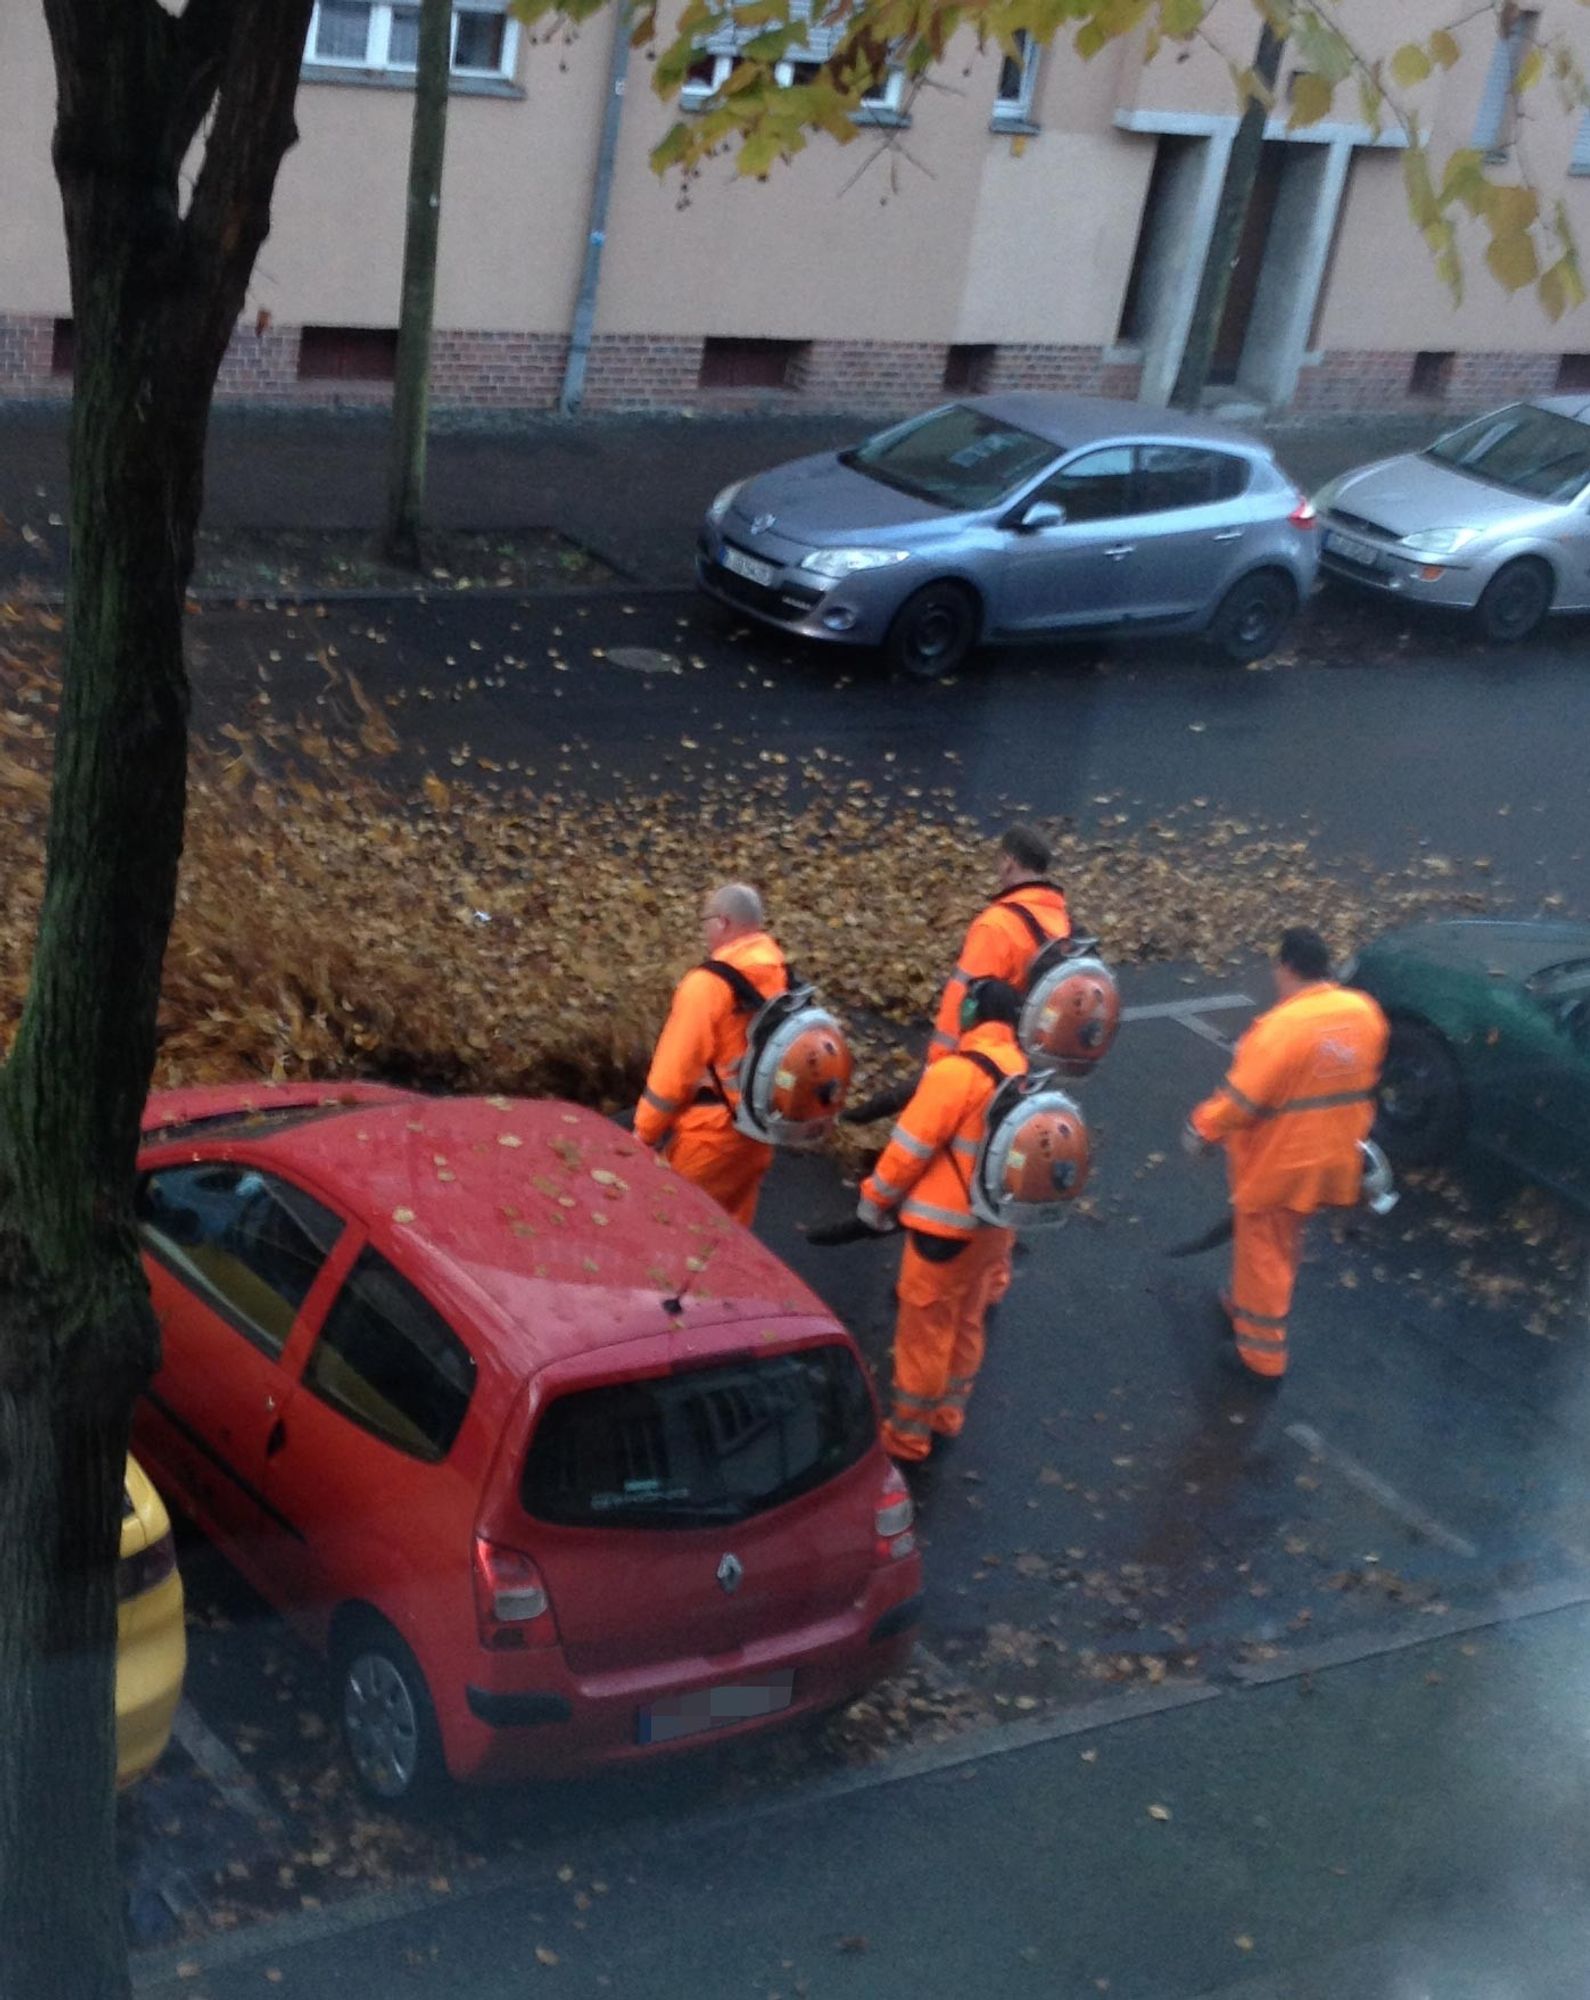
511	1602
892	1518
136	1574
1303	514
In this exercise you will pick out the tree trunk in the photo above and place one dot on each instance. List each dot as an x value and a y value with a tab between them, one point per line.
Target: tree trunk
1236	192
155	293
411	388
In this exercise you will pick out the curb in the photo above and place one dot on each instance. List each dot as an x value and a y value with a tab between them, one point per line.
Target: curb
155	1972
230	600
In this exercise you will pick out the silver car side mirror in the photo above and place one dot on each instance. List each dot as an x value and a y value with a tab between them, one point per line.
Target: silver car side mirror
1040	515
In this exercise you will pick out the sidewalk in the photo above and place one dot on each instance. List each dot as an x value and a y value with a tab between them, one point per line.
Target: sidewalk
629	488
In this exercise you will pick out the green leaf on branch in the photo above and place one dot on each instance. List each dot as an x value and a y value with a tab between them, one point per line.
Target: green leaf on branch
1312	98
1464	180
1409	65
1512	260
1444	48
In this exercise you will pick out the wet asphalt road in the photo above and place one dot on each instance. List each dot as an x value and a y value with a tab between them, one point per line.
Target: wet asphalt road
1376	738
1114	1521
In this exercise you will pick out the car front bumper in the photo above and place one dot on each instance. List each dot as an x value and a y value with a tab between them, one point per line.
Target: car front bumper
499	1729
1381	567
151	1658
856	611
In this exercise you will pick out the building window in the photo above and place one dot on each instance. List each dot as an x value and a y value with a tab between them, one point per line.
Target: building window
1494	124
385	35
968	368
1431	373
751	364
1573	373
63	358
1018	76
347	354
881	104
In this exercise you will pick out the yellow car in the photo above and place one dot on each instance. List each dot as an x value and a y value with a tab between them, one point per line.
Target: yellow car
151	1640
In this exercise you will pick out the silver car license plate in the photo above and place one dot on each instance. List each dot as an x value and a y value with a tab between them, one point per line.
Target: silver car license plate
753	570
1353	549
715	1708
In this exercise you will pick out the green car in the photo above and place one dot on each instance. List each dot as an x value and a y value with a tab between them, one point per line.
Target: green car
1490	1044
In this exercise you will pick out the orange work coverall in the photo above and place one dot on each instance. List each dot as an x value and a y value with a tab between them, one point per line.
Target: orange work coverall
951	1260
999	944
1296	1102
693	1085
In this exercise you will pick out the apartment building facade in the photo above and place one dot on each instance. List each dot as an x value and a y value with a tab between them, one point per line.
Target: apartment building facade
1038	223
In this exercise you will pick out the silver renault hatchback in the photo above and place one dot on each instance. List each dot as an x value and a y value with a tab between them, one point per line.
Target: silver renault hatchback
1019	516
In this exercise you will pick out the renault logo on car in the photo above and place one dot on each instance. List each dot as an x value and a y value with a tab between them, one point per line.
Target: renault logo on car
730	1571
762	523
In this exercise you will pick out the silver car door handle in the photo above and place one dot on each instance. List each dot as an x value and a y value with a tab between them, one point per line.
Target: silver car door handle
1120	549
1229	535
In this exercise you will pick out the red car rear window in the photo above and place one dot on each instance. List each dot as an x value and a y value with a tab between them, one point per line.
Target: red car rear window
717	1443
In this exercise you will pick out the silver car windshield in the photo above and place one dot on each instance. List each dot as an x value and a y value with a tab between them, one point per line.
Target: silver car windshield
1522	449
958	458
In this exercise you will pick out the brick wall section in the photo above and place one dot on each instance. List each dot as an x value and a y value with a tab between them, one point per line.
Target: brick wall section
25	344
871	374
497	371
481	370
640	371
257	366
1494	378
1377	379
1029	365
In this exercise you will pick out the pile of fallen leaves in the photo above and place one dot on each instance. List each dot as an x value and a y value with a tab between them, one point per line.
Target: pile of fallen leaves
334	923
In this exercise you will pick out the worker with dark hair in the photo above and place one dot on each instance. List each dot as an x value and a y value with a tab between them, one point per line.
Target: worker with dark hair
1292	1113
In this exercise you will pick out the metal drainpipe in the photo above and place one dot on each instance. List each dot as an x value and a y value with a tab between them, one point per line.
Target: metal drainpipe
596	237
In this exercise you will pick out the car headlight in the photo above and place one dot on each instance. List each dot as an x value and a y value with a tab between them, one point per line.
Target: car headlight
1440	541
838	563
724	501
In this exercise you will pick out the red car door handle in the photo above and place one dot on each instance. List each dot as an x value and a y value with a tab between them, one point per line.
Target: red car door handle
277	1438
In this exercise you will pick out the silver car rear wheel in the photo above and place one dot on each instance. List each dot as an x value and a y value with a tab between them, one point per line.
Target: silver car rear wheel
1252	616
1514	603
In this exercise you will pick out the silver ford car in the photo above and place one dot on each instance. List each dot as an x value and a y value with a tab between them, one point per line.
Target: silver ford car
1493	518
1019	516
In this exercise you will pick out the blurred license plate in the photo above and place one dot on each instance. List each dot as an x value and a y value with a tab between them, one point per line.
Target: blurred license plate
749	567
1353	549
714	1708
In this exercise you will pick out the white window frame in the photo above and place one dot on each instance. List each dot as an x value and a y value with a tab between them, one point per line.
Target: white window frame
378	42
1494	121
883	100
1014	112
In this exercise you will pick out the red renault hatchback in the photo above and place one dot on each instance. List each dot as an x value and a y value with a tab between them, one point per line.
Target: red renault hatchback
557	1463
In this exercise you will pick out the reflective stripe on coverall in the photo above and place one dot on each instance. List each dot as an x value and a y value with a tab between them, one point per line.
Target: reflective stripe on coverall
682	1111
1296	1102
951	1260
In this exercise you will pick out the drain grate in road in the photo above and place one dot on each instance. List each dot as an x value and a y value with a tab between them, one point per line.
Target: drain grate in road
644	660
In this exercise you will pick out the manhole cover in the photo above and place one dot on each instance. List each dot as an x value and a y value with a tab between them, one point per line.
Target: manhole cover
644	659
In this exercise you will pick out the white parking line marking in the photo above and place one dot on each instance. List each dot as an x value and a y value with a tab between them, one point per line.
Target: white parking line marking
1380	1491
1172	1010
1195	1026
219	1765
